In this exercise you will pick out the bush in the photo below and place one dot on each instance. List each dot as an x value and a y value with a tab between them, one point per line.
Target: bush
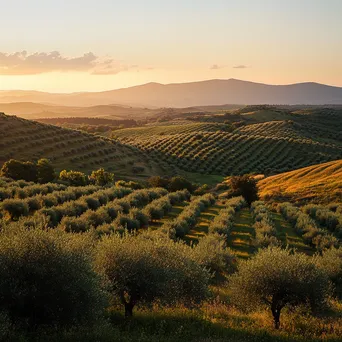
15	208
278	278
101	177
180	183
74	178
47	278
158	182
16	169
138	270
46	172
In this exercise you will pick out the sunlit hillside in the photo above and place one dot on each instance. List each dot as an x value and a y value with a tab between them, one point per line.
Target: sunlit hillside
318	183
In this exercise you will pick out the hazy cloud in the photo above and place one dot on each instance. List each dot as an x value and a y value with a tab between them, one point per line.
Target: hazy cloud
216	67
241	66
23	63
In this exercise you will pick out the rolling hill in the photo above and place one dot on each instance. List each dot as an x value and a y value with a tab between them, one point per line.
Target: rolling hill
211	92
71	149
317	183
295	140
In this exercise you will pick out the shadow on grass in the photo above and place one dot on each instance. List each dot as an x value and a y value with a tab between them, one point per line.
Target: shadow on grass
183	325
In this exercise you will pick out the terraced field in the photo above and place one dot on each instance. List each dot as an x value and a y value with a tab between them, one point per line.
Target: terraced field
318	183
29	140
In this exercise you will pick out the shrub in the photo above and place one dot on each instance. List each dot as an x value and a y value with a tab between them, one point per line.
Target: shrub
75	178
158	182
15	208
144	270
47	278
16	169
278	278
180	183
101	177
46	172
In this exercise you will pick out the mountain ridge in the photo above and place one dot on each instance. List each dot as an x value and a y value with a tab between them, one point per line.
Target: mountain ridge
208	92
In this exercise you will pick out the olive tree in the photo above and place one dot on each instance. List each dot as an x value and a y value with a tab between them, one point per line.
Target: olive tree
277	278
330	261
141	270
47	278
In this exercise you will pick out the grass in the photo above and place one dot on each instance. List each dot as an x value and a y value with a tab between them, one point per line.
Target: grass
240	239
318	183
287	234
201	228
213	321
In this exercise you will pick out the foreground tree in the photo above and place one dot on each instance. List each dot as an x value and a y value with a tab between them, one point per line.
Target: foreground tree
276	278
101	177
46	172
47	278
17	170
245	186
141	270
73	178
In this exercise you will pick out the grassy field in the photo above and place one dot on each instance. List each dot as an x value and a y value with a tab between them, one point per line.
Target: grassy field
318	183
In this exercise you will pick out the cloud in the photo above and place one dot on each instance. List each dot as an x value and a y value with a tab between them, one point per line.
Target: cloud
216	67
241	66
23	63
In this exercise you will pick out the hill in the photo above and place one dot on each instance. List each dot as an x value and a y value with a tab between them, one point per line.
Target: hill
295	140
71	149
31	110
211	92
317	183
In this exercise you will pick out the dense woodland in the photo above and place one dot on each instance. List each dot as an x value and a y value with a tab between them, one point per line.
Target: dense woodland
203	227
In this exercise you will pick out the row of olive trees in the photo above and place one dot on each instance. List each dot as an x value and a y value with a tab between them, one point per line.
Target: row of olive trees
43	172
18	190
182	224
306	226
118	211
265	229
332	220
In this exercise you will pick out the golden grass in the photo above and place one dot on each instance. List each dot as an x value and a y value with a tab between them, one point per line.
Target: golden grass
318	183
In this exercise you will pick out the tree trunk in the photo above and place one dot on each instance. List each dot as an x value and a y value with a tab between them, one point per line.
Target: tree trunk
129	309
276	317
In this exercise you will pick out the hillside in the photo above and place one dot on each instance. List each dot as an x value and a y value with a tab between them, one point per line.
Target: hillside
212	92
317	183
256	145
29	140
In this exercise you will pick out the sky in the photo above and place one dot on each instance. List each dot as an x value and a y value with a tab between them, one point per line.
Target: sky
83	45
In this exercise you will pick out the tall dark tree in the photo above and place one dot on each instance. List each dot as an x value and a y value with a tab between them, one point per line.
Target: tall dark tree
245	186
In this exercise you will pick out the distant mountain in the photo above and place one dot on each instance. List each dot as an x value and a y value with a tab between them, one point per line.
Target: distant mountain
213	92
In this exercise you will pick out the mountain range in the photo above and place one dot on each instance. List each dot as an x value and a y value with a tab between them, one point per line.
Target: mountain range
212	92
